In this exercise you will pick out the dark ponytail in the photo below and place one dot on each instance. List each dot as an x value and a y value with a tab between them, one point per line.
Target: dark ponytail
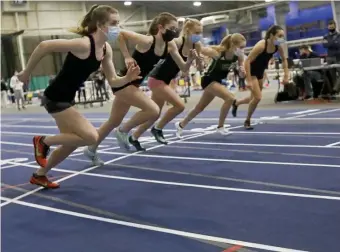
272	31
161	19
97	14
153	28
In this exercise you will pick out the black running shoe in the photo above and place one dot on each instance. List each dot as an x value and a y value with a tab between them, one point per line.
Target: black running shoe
158	134
136	144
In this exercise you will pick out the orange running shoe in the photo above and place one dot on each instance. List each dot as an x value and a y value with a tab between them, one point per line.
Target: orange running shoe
43	181
41	150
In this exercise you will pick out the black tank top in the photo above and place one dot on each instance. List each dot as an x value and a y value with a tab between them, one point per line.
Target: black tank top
220	67
167	69
147	61
260	64
72	75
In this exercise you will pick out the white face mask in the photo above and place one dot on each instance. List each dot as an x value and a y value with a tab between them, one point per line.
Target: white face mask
279	41
112	33
239	52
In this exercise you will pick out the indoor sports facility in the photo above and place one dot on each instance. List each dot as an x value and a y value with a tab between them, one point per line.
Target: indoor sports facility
273	188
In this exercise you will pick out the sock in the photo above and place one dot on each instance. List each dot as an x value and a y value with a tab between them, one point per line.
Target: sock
156	128
180	125
133	138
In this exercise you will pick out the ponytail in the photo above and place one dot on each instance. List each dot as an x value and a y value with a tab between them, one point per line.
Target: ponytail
228	41
161	19
85	25
153	28
97	14
272	31
225	44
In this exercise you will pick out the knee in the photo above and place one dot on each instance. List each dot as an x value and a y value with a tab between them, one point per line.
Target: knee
91	138
154	112
257	98
180	107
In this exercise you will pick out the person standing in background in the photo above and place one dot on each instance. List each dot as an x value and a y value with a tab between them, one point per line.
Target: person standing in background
18	88
4	90
332	43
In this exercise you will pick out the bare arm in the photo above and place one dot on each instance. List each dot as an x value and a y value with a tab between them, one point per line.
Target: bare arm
110	72
206	51
136	38
241	65
123	47
256	51
173	50
77	45
284	63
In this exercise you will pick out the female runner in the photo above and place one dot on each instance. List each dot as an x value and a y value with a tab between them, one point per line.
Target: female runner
255	66
84	56
223	56
160	78
149	50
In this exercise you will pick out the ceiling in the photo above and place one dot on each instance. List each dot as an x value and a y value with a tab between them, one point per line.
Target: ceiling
184	8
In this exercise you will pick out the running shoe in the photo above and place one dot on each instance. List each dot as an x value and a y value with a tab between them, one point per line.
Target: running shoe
136	144
158	134
93	156
223	131
123	139
41	150
179	129
43	181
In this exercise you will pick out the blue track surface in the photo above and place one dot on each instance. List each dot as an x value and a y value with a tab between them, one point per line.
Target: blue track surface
276	186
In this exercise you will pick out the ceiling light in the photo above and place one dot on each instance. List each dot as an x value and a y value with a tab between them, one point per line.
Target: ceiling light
127	3
268	1
197	4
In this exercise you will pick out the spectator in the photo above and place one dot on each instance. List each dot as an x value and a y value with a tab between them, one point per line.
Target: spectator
18	88
309	76
4	90
332	43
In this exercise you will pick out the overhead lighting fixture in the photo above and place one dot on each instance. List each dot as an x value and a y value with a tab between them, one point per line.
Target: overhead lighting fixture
127	3
268	1
197	4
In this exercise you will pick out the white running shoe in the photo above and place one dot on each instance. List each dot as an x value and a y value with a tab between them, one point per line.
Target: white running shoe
179	130
223	131
123	139
93	156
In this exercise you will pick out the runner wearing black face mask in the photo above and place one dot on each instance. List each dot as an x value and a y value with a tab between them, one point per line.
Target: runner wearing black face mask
148	51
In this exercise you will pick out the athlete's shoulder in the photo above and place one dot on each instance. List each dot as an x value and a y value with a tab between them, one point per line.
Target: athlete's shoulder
261	43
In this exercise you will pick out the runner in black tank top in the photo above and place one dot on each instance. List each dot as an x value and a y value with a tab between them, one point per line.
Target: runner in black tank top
256	64
224	56
84	57
163	29
146	62
158	82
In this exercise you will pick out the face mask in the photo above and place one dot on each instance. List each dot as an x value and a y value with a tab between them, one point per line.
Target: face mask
239	52
196	38
169	35
279	41
331	30
113	33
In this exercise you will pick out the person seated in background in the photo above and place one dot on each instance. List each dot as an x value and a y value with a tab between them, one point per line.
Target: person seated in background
309	77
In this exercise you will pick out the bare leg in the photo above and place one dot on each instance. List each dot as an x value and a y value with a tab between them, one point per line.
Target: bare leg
204	101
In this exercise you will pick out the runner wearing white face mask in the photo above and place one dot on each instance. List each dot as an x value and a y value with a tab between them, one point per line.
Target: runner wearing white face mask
223	57
255	66
84	56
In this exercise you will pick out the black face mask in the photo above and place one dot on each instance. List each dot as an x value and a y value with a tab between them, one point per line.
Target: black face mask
331	30
169	35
